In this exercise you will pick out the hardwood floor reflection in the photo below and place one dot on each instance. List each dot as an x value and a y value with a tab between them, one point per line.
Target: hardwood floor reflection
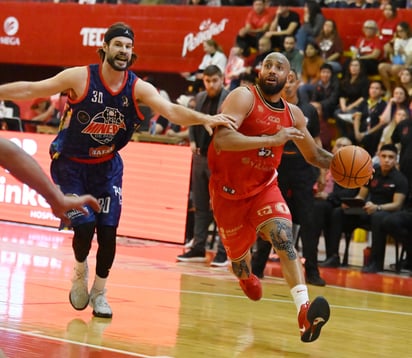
166	309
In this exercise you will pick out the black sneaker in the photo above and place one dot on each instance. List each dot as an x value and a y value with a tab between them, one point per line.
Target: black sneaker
371	268
220	260
315	280
192	256
332	261
404	266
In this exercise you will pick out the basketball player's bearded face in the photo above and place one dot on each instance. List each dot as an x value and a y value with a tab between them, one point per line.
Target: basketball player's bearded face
119	53
273	75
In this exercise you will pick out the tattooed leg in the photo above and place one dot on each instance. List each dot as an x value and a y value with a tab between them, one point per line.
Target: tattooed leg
281	238
279	233
240	269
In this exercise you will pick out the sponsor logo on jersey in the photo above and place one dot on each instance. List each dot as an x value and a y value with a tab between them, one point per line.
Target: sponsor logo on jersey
105	125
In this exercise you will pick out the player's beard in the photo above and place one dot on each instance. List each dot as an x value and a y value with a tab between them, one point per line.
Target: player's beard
111	60
271	89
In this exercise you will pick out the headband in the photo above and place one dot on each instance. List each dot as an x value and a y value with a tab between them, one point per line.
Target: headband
118	31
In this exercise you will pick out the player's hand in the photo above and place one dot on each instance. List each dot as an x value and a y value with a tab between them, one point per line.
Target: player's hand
71	202
220	120
286	134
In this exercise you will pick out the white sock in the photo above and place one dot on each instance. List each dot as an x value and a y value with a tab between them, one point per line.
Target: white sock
99	283
300	295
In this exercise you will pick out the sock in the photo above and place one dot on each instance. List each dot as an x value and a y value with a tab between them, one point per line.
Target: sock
80	266
99	283
300	295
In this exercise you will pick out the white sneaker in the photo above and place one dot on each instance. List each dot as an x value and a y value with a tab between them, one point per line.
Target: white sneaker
79	293
99	304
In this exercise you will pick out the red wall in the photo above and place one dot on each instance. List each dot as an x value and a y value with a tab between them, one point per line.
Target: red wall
168	38
155	189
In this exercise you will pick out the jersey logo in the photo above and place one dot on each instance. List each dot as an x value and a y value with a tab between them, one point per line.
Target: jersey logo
105	125
265	153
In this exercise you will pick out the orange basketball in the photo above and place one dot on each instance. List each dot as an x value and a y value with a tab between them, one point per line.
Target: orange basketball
351	167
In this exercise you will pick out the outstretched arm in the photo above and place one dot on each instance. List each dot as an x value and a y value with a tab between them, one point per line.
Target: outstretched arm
175	113
24	168
73	79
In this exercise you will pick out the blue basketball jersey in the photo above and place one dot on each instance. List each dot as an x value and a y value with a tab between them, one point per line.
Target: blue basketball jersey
85	152
100	122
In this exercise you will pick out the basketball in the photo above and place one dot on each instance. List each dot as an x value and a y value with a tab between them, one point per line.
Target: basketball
351	167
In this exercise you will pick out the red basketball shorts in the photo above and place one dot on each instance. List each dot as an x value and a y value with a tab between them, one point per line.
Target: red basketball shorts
239	220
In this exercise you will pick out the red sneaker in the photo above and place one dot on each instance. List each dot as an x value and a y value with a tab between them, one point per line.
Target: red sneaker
311	318
252	287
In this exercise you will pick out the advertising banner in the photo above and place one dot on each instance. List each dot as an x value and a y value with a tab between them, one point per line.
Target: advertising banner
169	38
155	189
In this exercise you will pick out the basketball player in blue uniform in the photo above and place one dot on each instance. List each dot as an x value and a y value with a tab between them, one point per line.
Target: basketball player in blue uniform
100	118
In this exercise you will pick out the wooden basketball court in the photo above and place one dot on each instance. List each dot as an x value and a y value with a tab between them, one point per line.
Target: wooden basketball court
166	309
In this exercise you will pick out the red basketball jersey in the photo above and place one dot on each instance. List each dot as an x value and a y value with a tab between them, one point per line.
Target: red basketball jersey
241	174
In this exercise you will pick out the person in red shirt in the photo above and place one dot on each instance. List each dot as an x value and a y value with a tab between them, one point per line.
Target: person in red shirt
257	23
387	26
368	48
243	186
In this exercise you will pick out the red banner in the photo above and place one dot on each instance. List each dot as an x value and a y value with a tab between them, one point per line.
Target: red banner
155	189
168	38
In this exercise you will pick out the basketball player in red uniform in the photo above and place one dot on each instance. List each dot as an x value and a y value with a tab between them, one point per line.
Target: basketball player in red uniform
243	185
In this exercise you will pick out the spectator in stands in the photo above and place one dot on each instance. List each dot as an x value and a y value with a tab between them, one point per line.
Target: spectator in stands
400	100
294	56
326	202
401	114
397	183
257	23
214	55
363	4
42	111
236	65
353	92
264	48
324	98
312	62
402	137
368	48
313	20
384	194
399	54
387	27
209	102
9	109
286	22
367	125
331	45
399	226
405	80
335	3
